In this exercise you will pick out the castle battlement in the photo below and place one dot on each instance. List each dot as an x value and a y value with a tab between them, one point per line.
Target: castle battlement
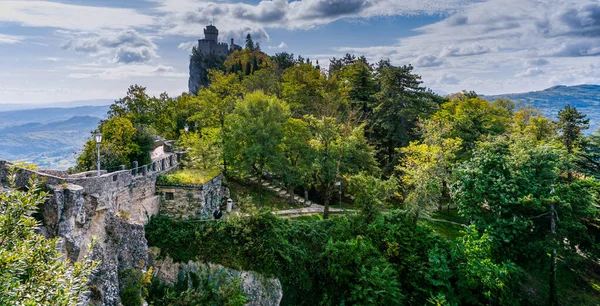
210	43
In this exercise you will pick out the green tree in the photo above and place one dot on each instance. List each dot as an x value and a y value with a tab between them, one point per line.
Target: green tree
309	92
360	78
589	156
32	271
205	148
570	124
512	190
371	193
249	43
482	280
340	149
359	275
297	155
472	120
136	106
217	101
121	144
399	104
283	61
530	123
427	169
264	79
253	133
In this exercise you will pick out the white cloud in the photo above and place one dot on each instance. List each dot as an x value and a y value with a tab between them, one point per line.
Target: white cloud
187	46
68	16
487	43
188	17
127	46
10	39
531	72
428	61
537	62
125	71
282	45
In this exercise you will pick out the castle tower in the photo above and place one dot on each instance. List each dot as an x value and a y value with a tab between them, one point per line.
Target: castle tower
211	33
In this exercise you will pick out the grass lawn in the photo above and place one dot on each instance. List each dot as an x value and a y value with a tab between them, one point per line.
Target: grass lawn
187	177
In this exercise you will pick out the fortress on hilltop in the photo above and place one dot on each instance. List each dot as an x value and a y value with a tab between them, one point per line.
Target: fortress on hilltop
210	43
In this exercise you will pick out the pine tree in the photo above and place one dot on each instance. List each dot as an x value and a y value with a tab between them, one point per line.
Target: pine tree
249	42
570	124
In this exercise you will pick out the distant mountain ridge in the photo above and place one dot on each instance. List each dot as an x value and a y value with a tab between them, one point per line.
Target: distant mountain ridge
46	115
586	98
68	104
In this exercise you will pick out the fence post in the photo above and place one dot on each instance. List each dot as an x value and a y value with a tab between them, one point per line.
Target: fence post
135	168
144	170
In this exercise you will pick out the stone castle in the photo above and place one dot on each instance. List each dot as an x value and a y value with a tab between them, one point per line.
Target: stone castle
211	45
200	63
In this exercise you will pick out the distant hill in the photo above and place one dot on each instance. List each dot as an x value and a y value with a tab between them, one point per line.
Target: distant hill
46	115
66	104
50	145
585	97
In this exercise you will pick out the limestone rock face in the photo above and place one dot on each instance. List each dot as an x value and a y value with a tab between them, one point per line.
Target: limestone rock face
107	212
79	222
198	77
258	289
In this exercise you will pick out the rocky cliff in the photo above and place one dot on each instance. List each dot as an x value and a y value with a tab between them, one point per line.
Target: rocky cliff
199	66
100	217
259	290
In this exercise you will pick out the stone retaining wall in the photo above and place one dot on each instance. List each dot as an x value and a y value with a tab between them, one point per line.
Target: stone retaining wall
190	202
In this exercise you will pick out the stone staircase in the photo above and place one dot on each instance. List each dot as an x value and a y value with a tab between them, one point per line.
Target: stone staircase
310	207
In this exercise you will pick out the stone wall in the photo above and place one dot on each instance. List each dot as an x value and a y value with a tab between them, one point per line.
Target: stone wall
195	202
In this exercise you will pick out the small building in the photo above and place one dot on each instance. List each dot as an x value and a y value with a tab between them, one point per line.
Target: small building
190	201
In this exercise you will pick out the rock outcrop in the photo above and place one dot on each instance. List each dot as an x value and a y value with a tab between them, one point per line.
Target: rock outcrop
259	290
106	213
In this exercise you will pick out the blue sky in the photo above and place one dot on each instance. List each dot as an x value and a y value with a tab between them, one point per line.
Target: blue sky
66	50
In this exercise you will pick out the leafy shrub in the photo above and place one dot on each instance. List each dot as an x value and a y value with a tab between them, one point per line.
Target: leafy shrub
31	270
132	283
345	260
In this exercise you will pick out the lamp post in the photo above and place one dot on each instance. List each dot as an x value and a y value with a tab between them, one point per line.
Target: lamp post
339	183
98	138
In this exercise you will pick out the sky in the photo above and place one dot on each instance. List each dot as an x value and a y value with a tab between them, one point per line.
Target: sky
65	50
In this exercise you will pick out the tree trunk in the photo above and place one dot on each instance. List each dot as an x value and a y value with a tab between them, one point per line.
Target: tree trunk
259	181
326	203
291	193
553	259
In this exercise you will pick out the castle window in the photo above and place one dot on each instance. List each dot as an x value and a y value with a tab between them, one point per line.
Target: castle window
169	196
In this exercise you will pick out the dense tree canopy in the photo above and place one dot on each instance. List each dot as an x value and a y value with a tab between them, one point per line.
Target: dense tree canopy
523	188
